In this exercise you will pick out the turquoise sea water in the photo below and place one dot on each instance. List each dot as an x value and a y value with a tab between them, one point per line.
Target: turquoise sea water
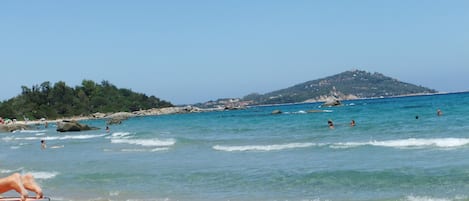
253	155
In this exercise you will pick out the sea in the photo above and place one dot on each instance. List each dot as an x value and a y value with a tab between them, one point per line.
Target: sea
399	150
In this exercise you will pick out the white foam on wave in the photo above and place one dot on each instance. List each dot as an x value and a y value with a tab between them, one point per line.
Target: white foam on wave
119	135
37	175
32	131
145	142
114	193
426	198
146	150
2	171
66	137
273	147
409	143
44	175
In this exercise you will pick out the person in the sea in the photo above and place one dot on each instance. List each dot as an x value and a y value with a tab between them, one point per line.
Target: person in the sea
21	184
331	124
439	112
43	144
352	123
107	129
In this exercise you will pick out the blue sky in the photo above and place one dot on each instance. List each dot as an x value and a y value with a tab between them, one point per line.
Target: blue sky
195	51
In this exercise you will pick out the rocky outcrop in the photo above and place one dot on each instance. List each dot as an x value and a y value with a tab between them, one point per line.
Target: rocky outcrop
332	102
68	126
13	127
98	115
315	111
117	118
167	110
276	112
120	115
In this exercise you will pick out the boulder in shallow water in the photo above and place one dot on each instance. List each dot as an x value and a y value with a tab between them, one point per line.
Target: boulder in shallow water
276	112
67	126
13	127
117	118
332	102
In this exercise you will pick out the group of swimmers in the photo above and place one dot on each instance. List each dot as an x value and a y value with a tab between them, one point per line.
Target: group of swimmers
352	123
331	124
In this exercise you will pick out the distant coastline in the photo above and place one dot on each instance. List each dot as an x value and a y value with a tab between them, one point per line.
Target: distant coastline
367	98
20	124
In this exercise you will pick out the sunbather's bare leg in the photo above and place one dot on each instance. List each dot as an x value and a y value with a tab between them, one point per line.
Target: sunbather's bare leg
30	184
13	182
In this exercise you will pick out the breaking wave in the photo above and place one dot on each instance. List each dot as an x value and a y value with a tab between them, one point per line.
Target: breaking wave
399	144
408	143
273	147
66	137
145	142
44	175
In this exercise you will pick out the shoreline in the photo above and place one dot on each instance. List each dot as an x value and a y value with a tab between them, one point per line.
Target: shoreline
119	115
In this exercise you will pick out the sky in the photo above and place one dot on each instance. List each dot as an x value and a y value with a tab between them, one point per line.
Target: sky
194	51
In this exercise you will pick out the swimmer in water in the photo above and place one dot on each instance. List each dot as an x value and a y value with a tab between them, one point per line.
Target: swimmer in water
331	124
43	144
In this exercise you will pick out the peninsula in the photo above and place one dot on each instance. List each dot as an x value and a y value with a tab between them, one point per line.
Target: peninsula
348	85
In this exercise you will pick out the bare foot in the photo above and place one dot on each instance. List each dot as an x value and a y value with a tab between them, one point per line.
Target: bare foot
17	185
30	184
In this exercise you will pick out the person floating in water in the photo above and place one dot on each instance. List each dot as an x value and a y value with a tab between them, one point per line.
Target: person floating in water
43	144
352	123
331	124
439	112
107	129
21	184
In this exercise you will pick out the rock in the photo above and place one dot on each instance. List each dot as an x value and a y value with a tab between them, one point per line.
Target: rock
332	102
120	115
13	127
117	118
315	111
168	110
276	112
98	115
67	126
114	121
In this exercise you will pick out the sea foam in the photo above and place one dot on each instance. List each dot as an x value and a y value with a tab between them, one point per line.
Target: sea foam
273	147
408	143
44	175
426	198
32	131
120	135
145	142
66	137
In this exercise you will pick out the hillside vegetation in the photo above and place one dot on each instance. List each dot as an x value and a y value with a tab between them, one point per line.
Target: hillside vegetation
60	100
347	85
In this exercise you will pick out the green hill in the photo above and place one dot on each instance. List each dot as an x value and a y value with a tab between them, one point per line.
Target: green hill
60	100
347	85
